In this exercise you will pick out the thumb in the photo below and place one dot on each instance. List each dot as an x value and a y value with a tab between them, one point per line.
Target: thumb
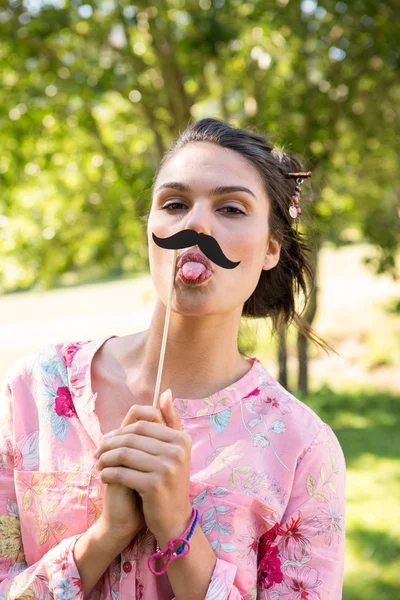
168	411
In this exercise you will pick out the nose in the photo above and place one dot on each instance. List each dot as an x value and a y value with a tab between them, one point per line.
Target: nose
198	219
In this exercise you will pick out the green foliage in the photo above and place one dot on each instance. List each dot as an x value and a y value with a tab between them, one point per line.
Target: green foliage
91	96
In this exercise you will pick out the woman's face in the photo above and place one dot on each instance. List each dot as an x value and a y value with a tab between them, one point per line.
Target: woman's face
238	220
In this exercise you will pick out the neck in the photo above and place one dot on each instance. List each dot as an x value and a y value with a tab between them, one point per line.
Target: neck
201	355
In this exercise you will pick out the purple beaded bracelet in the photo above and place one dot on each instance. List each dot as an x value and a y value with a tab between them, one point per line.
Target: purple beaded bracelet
168	552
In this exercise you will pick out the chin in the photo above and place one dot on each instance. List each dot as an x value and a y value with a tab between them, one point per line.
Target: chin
192	306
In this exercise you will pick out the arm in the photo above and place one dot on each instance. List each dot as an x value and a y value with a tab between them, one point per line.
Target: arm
301	555
190	575
56	572
200	575
304	554
71	568
94	552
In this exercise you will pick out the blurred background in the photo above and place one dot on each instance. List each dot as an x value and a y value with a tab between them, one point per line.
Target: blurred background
91	96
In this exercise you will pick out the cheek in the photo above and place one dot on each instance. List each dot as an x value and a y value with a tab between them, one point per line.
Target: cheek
158	257
250	250
251	253
160	265
236	285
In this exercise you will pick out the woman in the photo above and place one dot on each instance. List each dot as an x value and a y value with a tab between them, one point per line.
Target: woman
265	473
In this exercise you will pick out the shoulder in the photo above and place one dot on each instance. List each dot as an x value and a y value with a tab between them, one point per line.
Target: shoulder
306	427
47	360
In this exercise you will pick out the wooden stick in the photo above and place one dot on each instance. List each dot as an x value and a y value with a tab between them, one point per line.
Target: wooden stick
164	339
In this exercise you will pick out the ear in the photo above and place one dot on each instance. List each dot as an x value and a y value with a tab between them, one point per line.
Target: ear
273	251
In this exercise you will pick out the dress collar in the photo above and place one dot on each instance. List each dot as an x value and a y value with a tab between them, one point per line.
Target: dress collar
79	357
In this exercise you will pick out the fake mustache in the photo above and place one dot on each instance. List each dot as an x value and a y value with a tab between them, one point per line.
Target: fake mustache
207	244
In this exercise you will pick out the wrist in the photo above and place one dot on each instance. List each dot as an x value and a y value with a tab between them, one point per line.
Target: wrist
164	536
119	539
93	552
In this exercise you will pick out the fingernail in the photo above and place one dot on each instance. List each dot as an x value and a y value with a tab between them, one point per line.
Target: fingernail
110	433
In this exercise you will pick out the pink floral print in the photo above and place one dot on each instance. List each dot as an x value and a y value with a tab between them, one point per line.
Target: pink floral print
63	404
267	477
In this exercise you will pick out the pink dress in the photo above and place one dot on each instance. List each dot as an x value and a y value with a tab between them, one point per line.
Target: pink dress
267	476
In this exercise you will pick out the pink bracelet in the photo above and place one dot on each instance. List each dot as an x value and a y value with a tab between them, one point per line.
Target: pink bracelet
168	552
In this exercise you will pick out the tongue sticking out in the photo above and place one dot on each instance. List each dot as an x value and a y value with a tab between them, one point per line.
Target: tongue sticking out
193	270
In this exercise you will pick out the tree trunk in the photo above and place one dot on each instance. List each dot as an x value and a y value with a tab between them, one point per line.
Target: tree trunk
308	317
282	357
302	342
164	47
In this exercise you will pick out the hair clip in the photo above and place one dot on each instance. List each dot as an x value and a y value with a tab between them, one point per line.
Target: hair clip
294	209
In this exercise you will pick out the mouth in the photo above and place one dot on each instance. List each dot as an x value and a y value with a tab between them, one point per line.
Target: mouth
194	256
197	281
194	272
193	268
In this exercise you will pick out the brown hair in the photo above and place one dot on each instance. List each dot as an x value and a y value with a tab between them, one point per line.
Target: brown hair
274	295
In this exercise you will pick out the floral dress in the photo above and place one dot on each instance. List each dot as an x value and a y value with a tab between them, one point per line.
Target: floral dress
267	477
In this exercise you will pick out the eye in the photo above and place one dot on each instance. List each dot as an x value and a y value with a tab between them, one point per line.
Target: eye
169	206
239	212
233	208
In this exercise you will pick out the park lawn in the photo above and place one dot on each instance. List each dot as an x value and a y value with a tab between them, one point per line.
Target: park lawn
367	426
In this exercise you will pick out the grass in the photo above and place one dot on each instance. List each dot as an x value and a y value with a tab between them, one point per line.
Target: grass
367	426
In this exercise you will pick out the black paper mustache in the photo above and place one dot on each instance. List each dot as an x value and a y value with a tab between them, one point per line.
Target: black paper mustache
207	244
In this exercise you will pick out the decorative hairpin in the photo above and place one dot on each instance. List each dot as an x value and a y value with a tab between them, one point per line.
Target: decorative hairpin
294	209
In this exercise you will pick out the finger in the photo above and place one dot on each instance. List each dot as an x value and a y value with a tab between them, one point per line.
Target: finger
131	440
134	414
153	430
145	413
129	458
169	412
135	480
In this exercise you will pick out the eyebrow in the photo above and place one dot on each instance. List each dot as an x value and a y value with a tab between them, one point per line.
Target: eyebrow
222	189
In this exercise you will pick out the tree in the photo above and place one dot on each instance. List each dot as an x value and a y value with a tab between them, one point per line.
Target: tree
93	94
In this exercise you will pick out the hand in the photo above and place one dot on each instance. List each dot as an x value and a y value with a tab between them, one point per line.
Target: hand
154	459
122	514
